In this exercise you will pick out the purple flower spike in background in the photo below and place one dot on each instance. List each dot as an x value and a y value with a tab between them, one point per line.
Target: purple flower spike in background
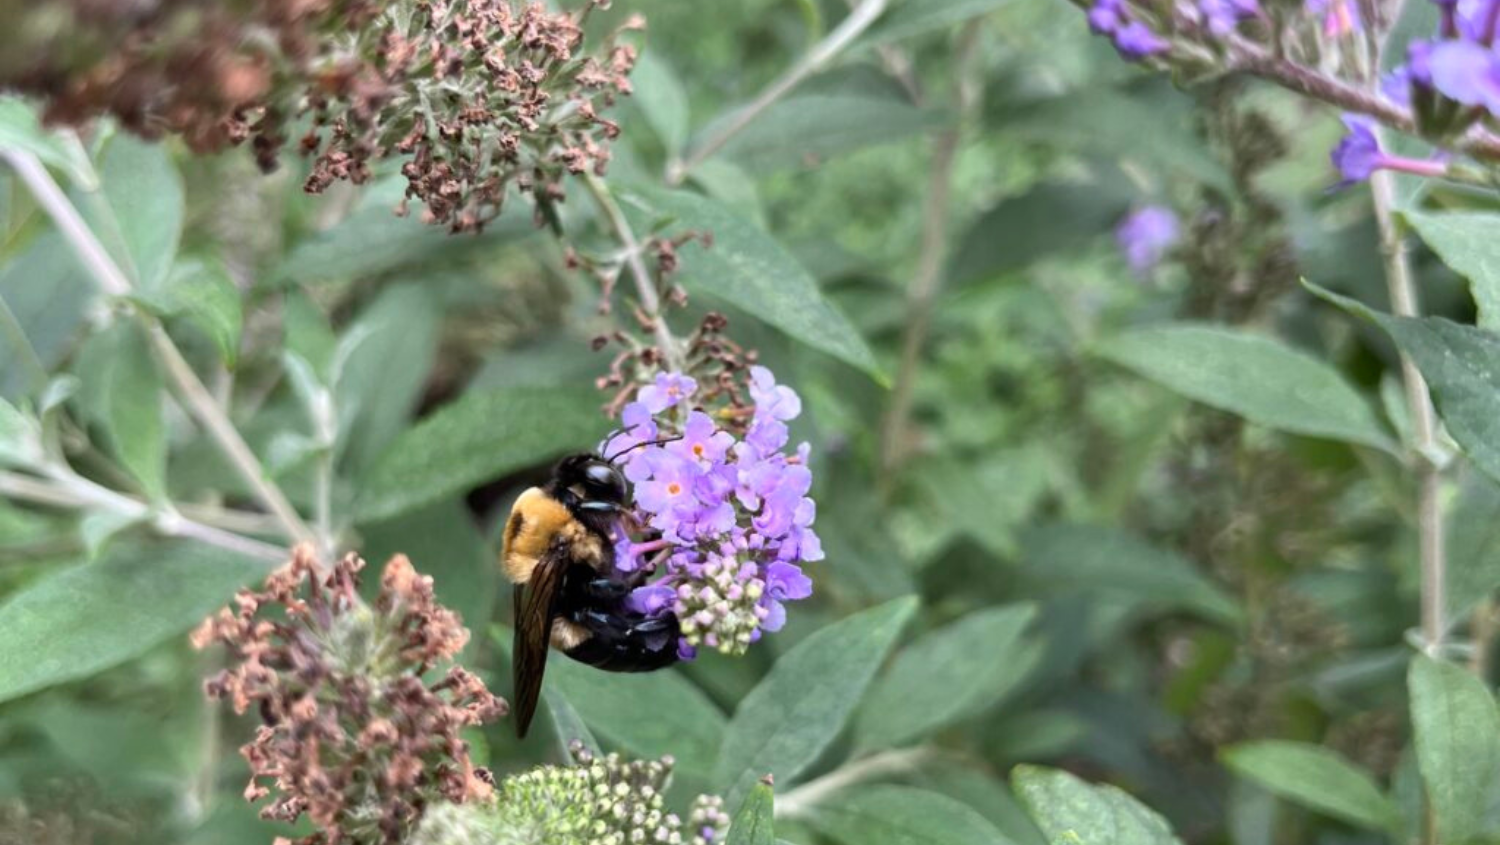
1222	16
1106	16
1136	41
1145	235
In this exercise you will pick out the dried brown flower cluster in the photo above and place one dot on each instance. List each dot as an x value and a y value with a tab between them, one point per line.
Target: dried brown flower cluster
352	736
479	95
720	365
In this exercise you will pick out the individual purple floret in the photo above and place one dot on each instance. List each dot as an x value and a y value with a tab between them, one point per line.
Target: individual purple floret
730	516
1136	41
1359	154
1145	235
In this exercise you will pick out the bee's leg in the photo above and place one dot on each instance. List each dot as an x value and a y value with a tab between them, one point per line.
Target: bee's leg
627	642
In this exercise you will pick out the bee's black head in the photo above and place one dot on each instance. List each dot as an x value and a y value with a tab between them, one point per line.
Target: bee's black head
590	484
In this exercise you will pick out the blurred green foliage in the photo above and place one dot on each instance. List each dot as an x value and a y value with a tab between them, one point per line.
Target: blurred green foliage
1179	559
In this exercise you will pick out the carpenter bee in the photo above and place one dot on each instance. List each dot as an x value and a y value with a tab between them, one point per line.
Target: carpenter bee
559	553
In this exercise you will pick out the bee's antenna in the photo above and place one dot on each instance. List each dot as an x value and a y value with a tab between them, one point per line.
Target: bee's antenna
627	450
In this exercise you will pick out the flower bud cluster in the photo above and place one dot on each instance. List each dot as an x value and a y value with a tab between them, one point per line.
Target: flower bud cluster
724	506
596	801
353	736
479	96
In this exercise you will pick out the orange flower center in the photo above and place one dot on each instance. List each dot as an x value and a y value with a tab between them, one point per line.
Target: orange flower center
698	449
674	488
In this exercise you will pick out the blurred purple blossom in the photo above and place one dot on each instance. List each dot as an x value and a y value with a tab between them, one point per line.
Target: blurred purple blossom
1136	41
1467	73
1145	235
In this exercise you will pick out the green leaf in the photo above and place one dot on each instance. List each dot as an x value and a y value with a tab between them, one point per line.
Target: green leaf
1072	812
658	93
480	437
650	714
800	707
1097	557
747	268
900	815
20	437
373	240
910	18
87	618
1260	378
1021	230
121	393
1466	242
381	381
947	675
50	315
806	128
1316	778
568	724
200	290
1456	729
1155	126
20	129
1472	526
143	193
1456	362
754	821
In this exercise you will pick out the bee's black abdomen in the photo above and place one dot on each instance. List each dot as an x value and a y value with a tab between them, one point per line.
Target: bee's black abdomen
627	642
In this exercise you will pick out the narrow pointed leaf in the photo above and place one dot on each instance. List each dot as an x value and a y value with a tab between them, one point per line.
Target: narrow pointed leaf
1316	778
90	617
798	709
900	815
1070	811
1457	734
748	269
1260	378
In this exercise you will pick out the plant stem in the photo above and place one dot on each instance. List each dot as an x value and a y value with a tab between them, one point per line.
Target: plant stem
66	490
1424	445
645	285
922	296
805	797
850	28
200	403
1254	59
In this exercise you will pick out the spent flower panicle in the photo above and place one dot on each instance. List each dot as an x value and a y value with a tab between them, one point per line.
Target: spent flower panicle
595	801
353	737
723	508
479	96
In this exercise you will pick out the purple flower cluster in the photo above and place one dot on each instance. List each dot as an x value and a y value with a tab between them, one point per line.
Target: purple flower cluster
1461	65
1145	235
1134	39
730	519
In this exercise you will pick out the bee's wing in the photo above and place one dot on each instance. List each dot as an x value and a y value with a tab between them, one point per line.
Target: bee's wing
535	605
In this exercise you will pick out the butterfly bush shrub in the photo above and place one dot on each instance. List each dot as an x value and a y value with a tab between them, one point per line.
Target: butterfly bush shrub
1030	467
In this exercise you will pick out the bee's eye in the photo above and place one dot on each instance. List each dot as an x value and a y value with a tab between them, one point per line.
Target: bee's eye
604	482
